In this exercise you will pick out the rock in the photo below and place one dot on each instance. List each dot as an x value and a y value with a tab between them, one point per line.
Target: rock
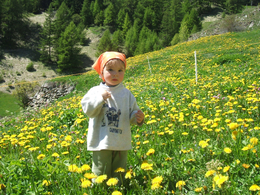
49	92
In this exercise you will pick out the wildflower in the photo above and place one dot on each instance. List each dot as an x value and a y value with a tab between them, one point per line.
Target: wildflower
2	186
146	166
120	170
219	180
116	193
150	152
85	167
101	178
73	168
233	126
85	183
234	135
146	142
185	133
254	187
209	173
64	153
155	186
56	155
248	147
90	175
226	169
227	150
179	184
41	156
254	141
203	144
157	180
46	183
198	189
246	166
112	181
256	166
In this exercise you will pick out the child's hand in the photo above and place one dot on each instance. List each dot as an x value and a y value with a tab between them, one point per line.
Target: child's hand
139	116
106	95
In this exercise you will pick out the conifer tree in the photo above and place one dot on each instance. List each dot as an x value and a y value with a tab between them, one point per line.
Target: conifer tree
117	41
131	41
109	15
127	25
68	51
105	43
184	31
121	19
99	18
46	36
86	13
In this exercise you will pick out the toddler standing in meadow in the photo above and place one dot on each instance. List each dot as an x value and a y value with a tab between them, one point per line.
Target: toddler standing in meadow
111	109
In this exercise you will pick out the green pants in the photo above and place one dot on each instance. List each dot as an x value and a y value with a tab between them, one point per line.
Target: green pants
105	162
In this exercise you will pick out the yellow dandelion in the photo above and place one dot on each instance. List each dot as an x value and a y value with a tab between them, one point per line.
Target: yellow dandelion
234	135
56	155
112	181
73	168
155	186
198	189
85	183
41	156
146	166
46	183
116	193
90	175
254	187
254	141
219	180
2	186
246	166
209	173
120	170
150	152
101	178
180	184
227	150
185	133
233	126
226	169
157	180
85	167
203	144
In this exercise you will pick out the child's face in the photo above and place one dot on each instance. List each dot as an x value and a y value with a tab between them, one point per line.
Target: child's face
114	72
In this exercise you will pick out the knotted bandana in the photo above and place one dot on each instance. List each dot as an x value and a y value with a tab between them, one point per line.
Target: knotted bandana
105	57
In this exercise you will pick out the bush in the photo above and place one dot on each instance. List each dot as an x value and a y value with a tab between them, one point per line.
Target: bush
30	67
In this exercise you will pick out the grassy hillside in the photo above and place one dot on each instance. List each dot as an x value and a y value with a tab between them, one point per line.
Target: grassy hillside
198	137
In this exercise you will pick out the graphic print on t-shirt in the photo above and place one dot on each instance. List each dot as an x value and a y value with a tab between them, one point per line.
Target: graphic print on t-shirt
112	116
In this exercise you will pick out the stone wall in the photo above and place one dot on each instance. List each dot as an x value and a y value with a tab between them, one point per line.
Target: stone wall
49	92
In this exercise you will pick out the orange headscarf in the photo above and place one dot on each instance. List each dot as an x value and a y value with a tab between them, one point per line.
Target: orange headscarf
105	57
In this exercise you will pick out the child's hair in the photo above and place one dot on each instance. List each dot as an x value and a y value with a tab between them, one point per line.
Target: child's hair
113	62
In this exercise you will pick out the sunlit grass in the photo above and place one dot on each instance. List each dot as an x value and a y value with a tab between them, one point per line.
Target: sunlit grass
198	138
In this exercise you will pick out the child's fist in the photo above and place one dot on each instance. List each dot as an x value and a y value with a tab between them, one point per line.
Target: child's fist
106	95
139	116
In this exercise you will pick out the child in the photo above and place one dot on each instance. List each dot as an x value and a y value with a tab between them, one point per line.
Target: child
111	109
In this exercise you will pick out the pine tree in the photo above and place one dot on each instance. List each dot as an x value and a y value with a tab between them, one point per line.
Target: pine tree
109	15
131	41
184	31
105	43
68	50
194	20
121	19
86	13
99	18
46	36
127	25
234	6
117	41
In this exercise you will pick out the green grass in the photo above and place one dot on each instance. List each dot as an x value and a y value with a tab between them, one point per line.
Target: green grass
197	138
9	105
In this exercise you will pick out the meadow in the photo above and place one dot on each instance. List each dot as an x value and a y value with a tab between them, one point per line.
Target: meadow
199	137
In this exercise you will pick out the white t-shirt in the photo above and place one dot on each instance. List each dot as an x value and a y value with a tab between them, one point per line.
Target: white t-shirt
109	121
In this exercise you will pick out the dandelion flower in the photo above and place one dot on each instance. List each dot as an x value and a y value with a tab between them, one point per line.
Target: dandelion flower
41	156
120	170
56	155
85	167
90	175
226	169
227	150
198	189
203	144
73	168
112	181
85	183
185	133
254	141
116	193
179	184
246	166
101	178
146	166
2	186
157	180
254	187
233	126
209	173
46	183
219	180
150	152
155	186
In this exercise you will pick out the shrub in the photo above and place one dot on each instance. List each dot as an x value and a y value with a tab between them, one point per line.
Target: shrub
30	67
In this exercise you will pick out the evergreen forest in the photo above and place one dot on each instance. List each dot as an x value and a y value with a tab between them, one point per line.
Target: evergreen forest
133	26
